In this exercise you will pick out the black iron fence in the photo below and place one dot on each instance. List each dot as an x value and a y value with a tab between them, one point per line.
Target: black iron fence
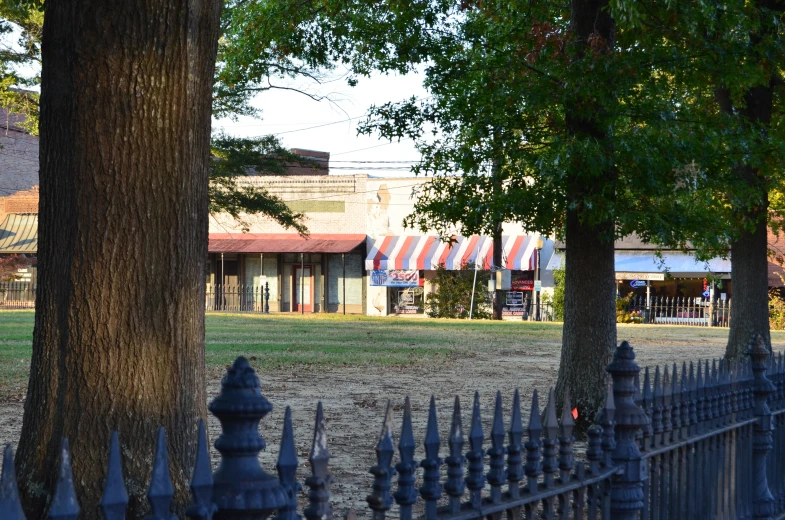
17	295
237	298
700	312
688	443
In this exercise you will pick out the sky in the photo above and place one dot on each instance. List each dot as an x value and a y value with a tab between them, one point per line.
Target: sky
330	125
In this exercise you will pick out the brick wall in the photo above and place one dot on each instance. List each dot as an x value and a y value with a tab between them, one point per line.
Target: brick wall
18	161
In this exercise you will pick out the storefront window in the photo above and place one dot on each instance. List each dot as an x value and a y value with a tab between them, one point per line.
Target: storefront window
406	300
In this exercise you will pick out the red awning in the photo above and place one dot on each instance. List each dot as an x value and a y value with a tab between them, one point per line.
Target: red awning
282	243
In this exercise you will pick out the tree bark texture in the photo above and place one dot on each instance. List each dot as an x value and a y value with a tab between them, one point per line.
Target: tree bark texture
119	327
749	312
589	333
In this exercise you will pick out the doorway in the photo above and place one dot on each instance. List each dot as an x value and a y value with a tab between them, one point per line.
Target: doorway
302	299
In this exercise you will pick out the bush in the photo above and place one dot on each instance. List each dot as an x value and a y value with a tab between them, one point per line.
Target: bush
453	295
625	316
777	308
558	293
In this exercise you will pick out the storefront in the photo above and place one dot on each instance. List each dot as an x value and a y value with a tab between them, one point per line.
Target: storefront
672	274
286	273
402	268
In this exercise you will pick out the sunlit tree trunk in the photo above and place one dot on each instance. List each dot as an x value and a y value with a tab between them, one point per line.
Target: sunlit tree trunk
119	327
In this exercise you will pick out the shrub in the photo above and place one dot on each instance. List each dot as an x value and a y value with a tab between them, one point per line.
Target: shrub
453	295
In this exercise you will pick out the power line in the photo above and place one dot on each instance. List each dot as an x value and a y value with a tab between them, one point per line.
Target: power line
361	149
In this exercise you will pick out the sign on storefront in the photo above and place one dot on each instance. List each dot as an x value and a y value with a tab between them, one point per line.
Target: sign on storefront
398	278
514	299
637	283
640	276
523	285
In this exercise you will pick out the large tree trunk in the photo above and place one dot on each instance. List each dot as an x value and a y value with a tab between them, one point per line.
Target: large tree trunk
749	312
589	332
119	326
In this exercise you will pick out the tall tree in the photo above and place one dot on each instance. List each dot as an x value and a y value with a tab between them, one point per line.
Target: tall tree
582	125
118	342
727	58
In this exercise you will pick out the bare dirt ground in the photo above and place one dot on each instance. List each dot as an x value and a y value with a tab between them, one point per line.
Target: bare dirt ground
354	397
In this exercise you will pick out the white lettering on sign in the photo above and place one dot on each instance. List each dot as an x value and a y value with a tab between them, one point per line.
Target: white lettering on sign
21	270
640	276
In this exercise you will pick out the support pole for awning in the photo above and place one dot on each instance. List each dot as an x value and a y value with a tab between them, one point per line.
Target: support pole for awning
343	261
302	286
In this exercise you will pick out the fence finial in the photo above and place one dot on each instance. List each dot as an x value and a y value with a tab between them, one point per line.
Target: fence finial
627	489
240	485
431	490
647	405
10	506
684	398
475	479
675	404
115	498
533	445
515	448
287	470
455	485
606	420
202	507
496	475
319	507
406	495
380	500
566	458
550	463
161	491
64	503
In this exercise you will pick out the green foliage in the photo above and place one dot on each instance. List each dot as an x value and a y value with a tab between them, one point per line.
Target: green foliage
235	158
777	307
453	295
623	315
558	293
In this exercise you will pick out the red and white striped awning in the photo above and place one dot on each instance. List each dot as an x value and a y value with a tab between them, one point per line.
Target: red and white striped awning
412	252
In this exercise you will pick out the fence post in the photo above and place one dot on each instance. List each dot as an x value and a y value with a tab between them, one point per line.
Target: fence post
762	500
241	488
627	485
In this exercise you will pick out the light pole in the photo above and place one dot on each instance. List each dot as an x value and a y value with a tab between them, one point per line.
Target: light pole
538	245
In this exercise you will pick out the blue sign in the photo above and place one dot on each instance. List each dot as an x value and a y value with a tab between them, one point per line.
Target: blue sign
637	283
706	293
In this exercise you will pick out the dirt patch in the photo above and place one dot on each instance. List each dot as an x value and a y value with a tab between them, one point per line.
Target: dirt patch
355	397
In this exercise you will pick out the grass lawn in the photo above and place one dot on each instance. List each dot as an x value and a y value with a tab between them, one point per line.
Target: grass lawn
323	340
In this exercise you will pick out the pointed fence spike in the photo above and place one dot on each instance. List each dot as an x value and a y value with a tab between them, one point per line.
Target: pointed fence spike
406	495
551	422
535	423
475	479
533	446
496	475
64	504
161	491
566	456
550	463
287	470
115	498
380	500
454	486
431	490
606	420
318	483
406	444
10	505
515	448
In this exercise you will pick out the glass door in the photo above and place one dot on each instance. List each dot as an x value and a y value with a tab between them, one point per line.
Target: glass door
302	299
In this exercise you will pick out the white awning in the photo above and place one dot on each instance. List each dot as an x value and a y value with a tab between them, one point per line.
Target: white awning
674	262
